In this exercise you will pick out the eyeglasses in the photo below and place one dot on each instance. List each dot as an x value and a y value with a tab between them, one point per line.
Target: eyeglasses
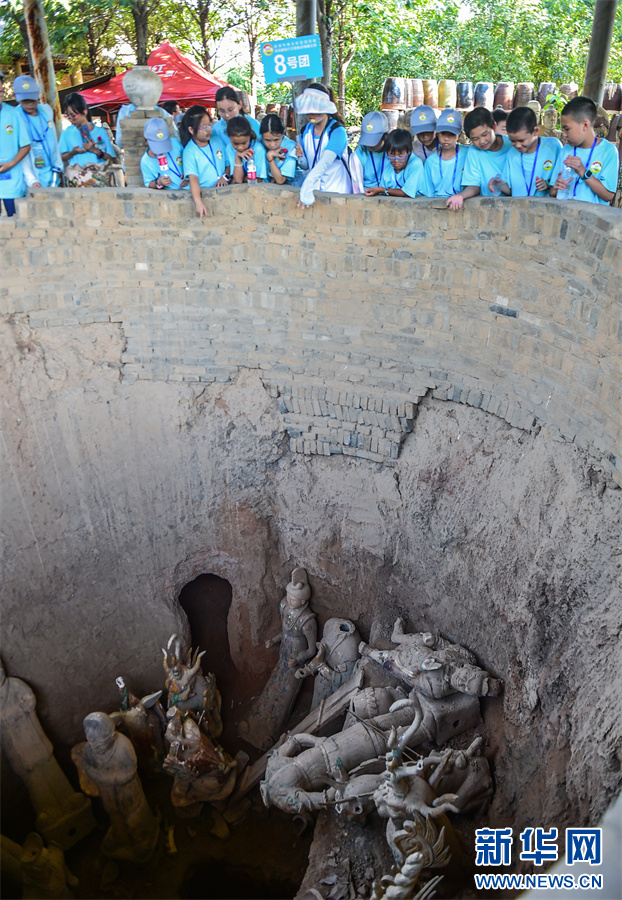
204	128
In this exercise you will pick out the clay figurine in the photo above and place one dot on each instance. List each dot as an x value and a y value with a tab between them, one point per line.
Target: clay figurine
144	723
203	771
106	763
433	666
189	689
298	644
421	846
63	815
335	660
45	875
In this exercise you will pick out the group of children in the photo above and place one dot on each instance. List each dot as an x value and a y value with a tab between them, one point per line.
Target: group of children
426	160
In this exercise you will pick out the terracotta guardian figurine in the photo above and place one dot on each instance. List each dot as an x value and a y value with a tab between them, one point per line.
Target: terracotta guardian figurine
298	644
63	815
106	763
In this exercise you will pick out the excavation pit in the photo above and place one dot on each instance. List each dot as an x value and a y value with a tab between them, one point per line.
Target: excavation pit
425	415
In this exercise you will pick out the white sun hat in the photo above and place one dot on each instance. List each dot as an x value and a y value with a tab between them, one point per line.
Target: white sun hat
313	101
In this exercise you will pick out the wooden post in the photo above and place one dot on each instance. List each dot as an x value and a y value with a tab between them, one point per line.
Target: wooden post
600	47
41	53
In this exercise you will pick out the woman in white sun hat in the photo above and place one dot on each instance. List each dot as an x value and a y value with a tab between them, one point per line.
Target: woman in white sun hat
325	145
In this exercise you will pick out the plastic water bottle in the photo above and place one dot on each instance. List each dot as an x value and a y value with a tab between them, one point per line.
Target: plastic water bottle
566	193
497	181
251	172
163	164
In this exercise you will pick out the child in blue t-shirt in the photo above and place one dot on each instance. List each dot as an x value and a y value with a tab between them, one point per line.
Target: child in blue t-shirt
442	171
43	165
370	150
244	148
485	158
229	106
403	178
281	152
203	156
14	146
594	160
529	164
162	163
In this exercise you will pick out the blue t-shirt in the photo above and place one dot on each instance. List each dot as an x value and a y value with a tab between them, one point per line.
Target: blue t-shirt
408	180
13	136
71	138
443	177
603	161
482	165
207	163
374	163
219	130
288	165
259	156
522	169
150	167
44	157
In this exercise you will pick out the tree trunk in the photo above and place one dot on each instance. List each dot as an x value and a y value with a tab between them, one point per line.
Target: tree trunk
325	31
140	14
252	46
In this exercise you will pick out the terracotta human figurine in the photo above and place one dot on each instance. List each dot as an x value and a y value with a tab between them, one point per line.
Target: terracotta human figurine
298	644
335	660
203	771
106	763
45	875
142	720
433	666
189	689
63	815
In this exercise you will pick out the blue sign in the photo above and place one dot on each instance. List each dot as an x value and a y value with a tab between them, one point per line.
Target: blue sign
293	59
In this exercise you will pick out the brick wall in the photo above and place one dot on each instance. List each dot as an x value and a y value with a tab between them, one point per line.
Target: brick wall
351	310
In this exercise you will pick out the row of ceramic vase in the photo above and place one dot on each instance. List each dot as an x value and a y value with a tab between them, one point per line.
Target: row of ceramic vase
407	93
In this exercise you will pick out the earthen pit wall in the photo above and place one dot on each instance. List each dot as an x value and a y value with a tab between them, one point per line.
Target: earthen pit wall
352	310
150	361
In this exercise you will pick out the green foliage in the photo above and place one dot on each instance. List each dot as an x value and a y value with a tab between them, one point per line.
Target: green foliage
556	101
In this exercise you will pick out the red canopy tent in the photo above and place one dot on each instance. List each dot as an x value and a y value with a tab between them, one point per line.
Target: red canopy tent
183	79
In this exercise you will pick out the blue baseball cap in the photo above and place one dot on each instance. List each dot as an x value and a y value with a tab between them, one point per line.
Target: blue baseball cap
373	127
158	136
449	120
25	88
423	118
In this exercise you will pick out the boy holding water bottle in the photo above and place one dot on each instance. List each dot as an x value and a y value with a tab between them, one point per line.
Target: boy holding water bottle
530	163
161	164
587	168
485	159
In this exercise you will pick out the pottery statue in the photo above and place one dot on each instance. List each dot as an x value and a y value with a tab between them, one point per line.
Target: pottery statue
420	845
63	815
202	770
433	666
298	644
106	763
334	662
144	723
44	873
189	689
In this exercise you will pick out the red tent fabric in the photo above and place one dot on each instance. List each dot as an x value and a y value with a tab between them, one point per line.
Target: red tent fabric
183	79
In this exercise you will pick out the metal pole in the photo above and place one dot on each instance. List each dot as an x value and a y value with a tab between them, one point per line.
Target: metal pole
42	57
306	17
600	47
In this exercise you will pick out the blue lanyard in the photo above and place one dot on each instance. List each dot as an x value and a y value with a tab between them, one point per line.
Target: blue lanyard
316	147
213	160
453	177
376	176
533	171
397	180
174	167
35	137
427	152
589	160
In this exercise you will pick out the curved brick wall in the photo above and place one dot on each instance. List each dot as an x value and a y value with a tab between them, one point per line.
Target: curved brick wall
170	387
352	311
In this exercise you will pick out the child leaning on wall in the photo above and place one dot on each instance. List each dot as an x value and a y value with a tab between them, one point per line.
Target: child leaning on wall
203	156
244	148
282	153
370	150
442	172
593	160
14	147
485	157
404	176
530	163
423	128
161	164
